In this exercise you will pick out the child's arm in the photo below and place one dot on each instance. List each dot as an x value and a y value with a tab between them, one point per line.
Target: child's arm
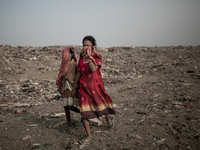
78	76
92	66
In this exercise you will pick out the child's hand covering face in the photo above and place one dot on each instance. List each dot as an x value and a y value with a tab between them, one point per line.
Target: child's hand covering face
87	51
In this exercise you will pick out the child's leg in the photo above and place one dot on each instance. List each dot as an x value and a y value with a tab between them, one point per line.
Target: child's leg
87	128
67	113
75	109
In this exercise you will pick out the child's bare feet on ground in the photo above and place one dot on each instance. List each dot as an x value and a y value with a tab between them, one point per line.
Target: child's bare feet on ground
70	128
89	137
86	140
110	121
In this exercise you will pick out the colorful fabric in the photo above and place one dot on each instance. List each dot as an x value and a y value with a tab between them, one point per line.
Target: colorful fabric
94	102
66	58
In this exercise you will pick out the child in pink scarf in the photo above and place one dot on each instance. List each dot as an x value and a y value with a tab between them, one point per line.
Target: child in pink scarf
65	82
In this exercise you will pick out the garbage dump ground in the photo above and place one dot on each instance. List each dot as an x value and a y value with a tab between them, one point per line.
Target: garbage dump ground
155	91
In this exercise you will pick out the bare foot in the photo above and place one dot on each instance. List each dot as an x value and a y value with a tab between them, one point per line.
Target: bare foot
86	140
110	122
70	128
108	119
89	137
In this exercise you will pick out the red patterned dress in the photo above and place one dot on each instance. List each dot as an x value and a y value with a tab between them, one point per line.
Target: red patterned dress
94	102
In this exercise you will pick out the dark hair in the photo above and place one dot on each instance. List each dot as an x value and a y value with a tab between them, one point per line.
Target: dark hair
91	39
72	53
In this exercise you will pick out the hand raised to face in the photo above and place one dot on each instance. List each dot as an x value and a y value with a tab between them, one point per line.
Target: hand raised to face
87	51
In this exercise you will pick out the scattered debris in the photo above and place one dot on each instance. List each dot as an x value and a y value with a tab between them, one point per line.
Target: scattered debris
155	91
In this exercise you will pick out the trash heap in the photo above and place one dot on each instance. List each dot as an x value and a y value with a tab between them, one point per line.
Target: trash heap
155	91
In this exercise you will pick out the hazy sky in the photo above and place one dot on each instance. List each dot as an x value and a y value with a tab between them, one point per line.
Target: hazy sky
111	22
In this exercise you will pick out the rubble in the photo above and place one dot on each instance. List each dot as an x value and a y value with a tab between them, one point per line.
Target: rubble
155	91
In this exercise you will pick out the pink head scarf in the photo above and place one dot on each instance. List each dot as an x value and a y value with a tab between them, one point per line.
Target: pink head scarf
66	59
